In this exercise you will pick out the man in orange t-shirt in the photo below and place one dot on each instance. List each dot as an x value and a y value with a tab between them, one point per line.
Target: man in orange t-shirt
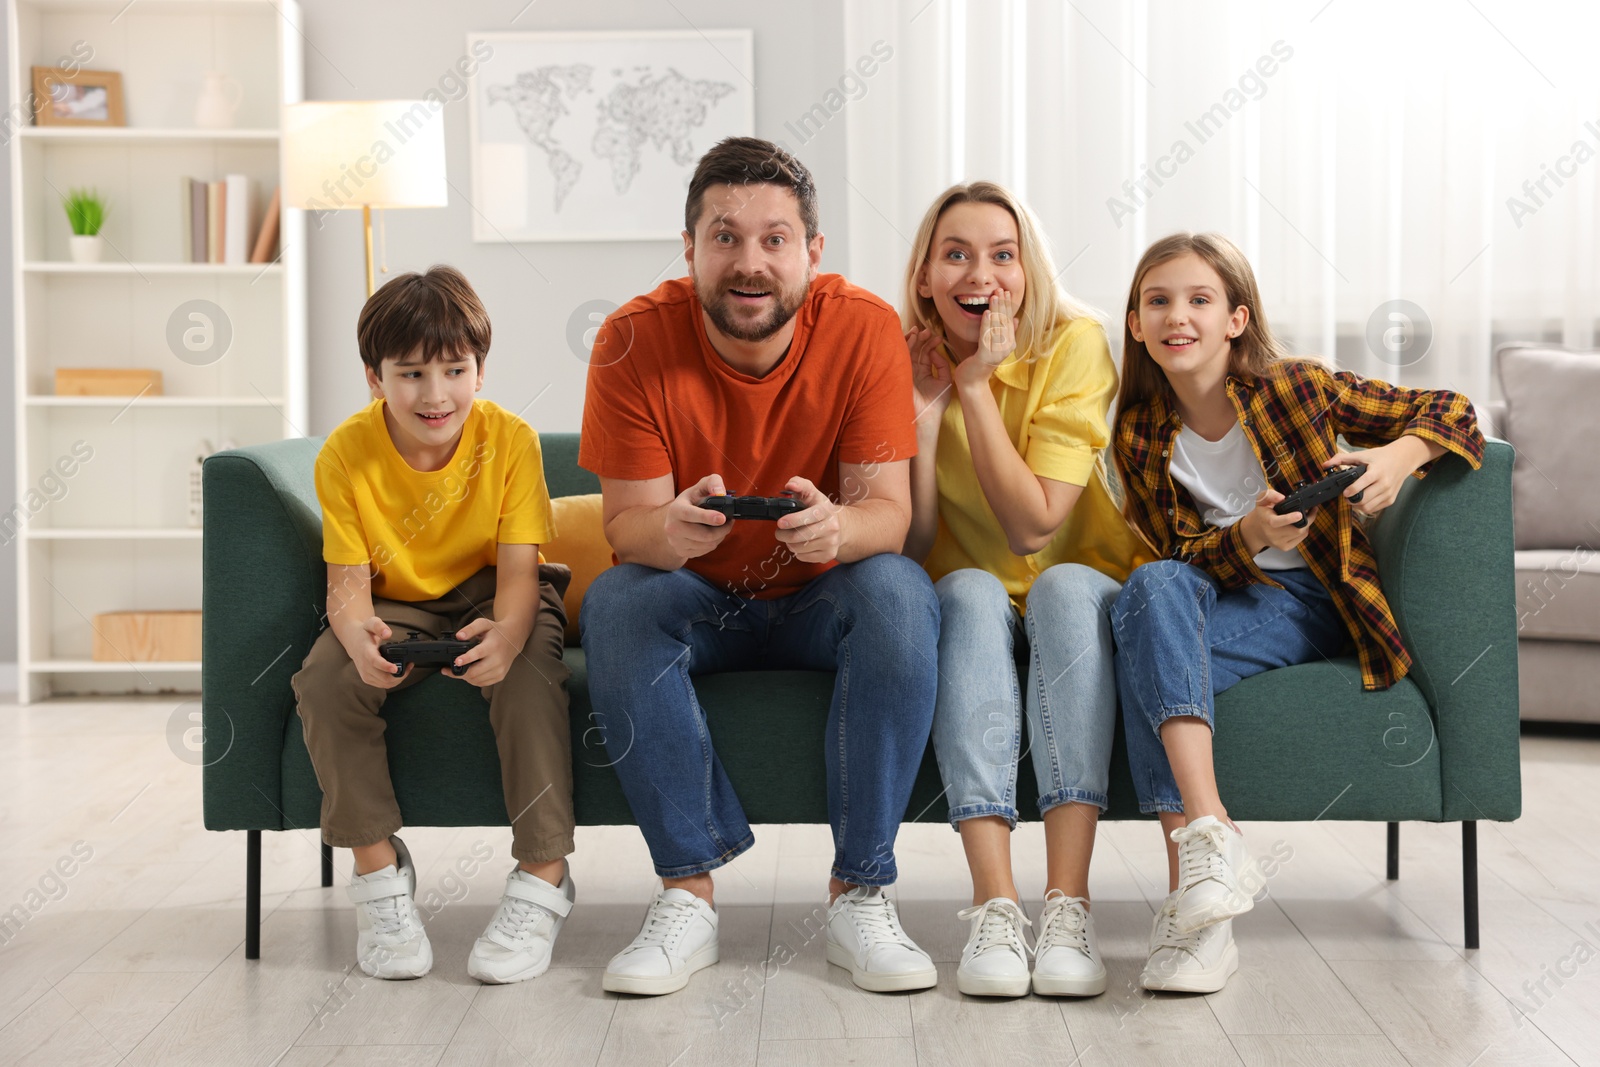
757	376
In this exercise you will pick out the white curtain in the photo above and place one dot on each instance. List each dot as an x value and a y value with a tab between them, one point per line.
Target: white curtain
1360	152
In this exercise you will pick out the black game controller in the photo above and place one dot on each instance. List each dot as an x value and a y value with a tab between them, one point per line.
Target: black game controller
1307	495
753	507
420	651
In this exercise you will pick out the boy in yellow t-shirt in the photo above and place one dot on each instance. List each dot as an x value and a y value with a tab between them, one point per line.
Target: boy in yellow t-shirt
433	509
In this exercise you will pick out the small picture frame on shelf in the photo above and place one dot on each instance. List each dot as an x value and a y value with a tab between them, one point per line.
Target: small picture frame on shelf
66	97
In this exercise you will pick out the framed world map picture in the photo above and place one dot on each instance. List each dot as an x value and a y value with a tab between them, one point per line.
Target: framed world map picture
594	136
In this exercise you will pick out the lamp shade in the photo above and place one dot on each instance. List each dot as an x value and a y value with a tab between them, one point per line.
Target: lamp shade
356	153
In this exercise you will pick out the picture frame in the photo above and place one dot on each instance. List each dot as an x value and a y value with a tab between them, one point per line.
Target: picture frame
593	135
75	97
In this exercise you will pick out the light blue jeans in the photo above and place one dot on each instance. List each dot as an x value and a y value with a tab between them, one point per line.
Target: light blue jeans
1180	641
1063	649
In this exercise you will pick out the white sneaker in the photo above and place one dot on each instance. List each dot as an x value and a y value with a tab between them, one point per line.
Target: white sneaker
995	961
518	942
1216	876
390	940
1198	961
865	938
679	937
1066	960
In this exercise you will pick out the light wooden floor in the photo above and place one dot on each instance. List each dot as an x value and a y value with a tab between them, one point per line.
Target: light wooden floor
138	957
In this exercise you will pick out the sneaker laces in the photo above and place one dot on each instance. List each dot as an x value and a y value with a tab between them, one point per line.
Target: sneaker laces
664	923
1000	926
389	916
1167	934
1196	862
516	917
874	919
1062	925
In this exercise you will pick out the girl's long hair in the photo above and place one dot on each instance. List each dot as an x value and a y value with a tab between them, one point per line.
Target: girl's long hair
1255	351
1046	307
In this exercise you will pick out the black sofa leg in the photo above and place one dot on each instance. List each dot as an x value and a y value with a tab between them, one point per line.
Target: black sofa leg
327	865
252	895
1469	881
1394	851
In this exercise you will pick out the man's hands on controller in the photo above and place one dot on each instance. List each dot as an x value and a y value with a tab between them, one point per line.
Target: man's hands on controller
692	530
815	533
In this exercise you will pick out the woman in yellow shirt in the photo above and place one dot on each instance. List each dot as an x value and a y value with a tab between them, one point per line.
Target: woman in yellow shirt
1012	518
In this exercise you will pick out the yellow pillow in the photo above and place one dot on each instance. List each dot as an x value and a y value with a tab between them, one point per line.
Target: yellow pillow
581	544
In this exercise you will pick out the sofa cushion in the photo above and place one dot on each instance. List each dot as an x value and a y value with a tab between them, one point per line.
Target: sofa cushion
1551	395
580	543
1558	594
1559	680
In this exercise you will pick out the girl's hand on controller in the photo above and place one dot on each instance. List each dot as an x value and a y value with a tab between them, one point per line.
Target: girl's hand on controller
1388	467
488	661
1264	528
373	668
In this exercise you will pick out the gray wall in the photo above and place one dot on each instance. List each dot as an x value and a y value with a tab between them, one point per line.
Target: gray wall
360	49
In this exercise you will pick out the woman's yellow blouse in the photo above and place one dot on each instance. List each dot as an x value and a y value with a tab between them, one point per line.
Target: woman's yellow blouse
1054	408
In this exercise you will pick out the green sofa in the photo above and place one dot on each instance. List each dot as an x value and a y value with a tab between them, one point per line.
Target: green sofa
1300	743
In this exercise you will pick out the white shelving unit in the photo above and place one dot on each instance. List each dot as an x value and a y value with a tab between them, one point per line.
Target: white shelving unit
114	533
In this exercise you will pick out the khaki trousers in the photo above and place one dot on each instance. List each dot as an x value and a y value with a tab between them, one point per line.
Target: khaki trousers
527	710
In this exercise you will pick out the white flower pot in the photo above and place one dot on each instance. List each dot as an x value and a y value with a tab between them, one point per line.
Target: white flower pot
86	249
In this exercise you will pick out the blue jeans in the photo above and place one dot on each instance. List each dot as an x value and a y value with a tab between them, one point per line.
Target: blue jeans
1071	703
1180	642
647	632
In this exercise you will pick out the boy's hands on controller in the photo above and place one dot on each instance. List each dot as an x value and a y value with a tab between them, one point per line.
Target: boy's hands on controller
488	661
813	534
1388	467
692	530
1265	528
370	664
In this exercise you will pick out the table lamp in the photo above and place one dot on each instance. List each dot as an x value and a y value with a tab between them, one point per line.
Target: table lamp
363	153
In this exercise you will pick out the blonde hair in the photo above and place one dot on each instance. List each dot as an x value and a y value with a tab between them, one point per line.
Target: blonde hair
1256	351
1045	308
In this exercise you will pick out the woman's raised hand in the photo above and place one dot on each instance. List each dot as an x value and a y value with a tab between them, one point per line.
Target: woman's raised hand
931	371
997	338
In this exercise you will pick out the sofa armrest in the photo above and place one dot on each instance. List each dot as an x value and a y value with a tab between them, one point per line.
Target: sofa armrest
263	597
1445	560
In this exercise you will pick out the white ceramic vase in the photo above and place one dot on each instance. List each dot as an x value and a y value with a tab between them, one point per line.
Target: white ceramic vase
86	248
219	99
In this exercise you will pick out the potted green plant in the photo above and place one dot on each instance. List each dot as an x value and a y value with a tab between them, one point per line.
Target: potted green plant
86	213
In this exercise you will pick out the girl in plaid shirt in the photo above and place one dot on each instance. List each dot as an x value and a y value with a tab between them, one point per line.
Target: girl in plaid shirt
1212	413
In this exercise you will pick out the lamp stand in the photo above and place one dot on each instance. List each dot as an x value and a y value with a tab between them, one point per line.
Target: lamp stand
366	231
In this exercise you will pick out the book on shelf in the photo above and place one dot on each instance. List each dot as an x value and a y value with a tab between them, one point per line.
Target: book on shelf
267	239
236	224
216	205
217	222
196	229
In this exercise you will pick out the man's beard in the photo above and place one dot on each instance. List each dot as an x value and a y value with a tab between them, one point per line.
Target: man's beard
717	303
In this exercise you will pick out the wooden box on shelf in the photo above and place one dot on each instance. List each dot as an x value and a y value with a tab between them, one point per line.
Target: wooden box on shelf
94	381
147	636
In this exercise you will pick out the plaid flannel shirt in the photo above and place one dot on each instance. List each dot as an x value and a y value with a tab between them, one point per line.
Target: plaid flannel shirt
1291	420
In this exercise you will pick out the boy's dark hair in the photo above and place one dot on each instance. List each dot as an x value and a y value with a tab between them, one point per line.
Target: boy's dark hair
437	310
750	160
